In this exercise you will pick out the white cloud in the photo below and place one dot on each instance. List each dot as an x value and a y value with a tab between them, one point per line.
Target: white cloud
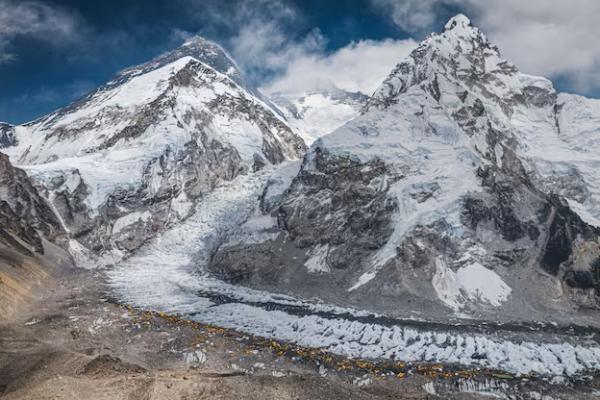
268	46
551	38
266	38
554	38
410	15
358	67
33	19
275	45
263	48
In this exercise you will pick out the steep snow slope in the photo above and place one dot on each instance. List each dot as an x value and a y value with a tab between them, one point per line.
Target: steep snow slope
453	186
137	153
315	114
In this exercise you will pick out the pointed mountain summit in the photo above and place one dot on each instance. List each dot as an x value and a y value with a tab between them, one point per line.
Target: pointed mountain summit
195	75
460	57
459	22
135	155
200	49
460	183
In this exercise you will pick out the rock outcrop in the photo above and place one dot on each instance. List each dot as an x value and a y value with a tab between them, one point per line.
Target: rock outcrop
7	135
26	219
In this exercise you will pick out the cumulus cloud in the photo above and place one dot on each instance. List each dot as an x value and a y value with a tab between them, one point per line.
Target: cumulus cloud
33	19
554	38
278	51
551	38
358	67
410	15
264	49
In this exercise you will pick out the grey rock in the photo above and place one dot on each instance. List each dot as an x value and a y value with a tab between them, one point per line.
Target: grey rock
7	135
26	219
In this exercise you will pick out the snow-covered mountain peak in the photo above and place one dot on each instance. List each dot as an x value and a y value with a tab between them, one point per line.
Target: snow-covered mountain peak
196	47
461	54
140	151
459	21
451	170
461	69
212	54
130	113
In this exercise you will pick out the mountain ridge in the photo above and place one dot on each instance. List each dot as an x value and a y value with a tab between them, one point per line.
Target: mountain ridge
142	149
437	179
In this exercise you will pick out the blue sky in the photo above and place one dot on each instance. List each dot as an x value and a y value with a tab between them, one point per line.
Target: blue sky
52	52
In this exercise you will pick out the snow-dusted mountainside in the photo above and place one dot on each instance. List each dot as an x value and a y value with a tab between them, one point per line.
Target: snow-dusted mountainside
464	185
132	157
318	113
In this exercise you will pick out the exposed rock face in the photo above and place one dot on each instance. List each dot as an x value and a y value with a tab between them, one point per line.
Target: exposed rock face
134	156
457	162
323	193
7	135
25	217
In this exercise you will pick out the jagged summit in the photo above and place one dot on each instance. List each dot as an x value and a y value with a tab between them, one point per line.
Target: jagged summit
200	49
140	151
460	59
460	31
459	21
195	48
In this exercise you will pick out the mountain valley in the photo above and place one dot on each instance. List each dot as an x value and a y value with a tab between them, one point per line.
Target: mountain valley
176	232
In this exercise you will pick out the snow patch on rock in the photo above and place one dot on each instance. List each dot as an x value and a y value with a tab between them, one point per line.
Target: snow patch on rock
470	283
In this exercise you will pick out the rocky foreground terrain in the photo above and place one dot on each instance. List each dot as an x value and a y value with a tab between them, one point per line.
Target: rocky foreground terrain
64	337
170	235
